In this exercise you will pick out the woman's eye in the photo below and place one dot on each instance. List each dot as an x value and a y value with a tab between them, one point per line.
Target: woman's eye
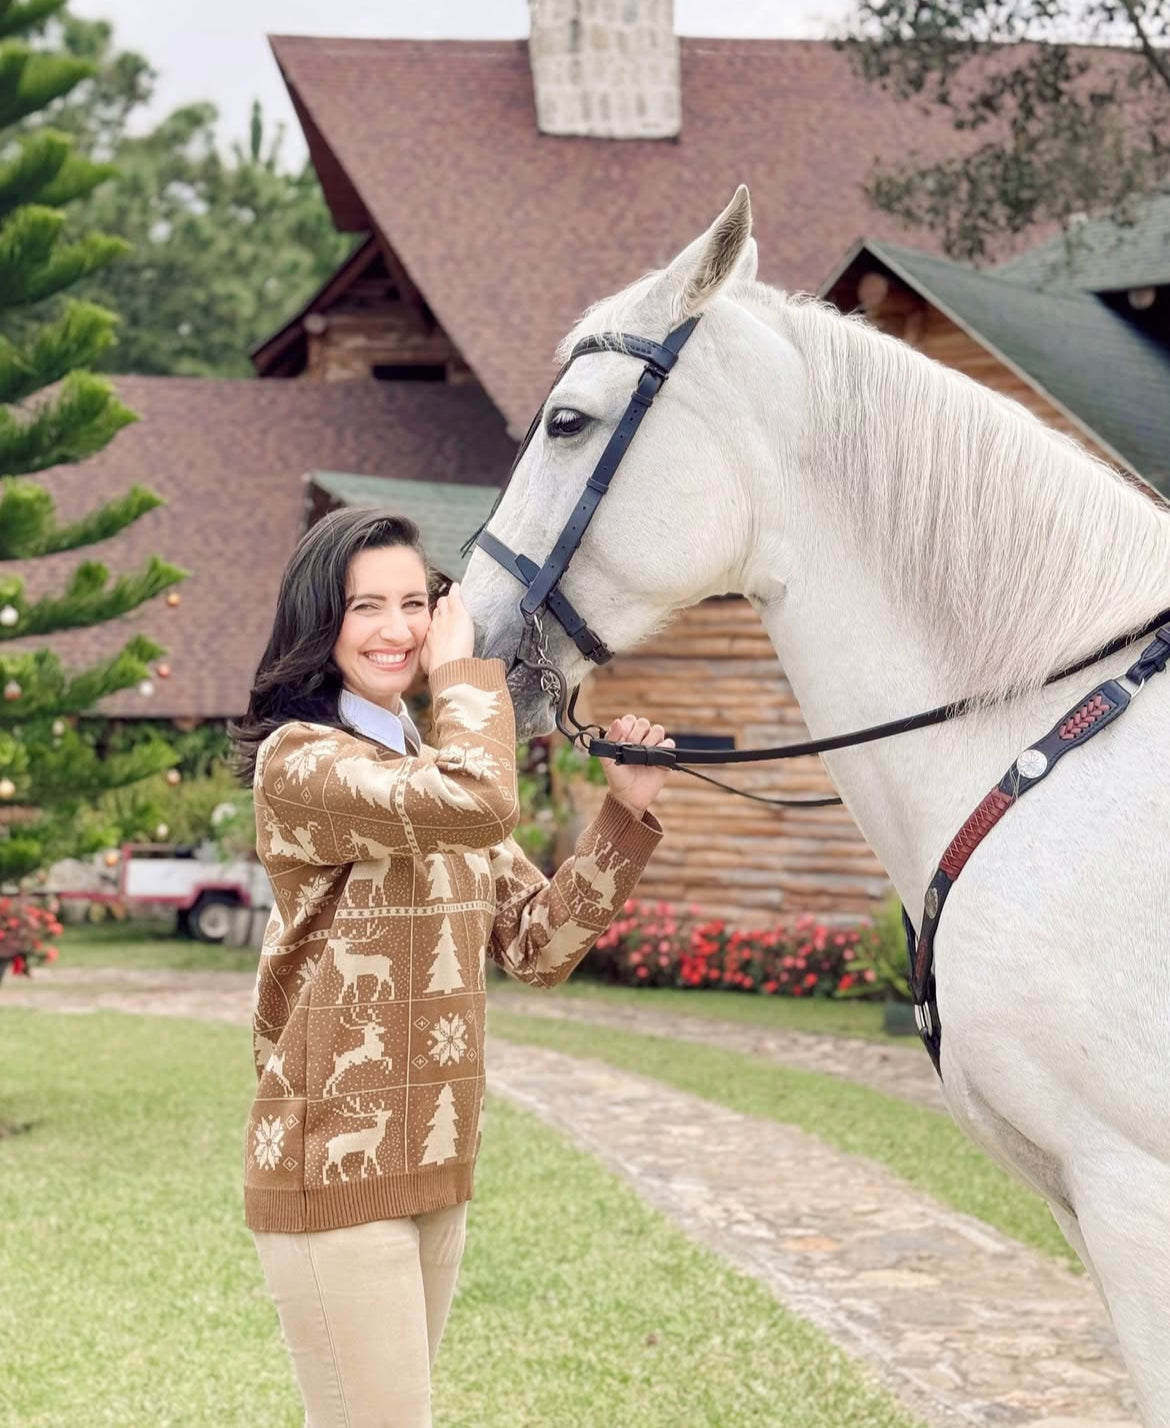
565	421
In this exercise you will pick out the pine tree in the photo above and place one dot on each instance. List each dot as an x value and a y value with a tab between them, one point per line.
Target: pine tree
54	411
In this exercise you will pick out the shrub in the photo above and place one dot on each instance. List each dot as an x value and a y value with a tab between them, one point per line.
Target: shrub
657	945
882	967
24	928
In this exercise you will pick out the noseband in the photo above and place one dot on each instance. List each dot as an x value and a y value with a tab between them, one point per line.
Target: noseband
542	581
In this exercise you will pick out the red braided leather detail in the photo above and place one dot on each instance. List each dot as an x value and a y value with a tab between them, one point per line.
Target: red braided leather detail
1085	717
973	832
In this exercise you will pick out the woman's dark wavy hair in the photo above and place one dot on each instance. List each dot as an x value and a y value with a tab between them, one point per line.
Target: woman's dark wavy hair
296	677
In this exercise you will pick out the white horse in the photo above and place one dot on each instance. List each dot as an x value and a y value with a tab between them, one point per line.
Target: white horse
909	538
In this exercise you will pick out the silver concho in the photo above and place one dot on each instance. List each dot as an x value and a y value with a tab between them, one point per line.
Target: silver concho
932	902
1031	763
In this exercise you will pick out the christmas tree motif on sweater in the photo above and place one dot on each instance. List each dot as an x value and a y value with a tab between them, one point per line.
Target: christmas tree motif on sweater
445	973
441	1138
372	783
481	870
430	781
270	1060
438	879
301	764
476	708
301	848
595	883
503	860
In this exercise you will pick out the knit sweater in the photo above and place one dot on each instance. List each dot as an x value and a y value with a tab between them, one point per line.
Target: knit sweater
392	878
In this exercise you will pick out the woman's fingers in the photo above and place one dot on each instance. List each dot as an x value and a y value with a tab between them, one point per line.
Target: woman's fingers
629	729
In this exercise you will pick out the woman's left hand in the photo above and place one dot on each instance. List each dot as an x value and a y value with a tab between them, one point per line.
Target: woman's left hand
636	785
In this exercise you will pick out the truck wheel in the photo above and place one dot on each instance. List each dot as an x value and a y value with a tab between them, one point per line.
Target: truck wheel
210	920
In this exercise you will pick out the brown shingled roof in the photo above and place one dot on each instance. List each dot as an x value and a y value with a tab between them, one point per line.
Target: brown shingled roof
510	233
230	458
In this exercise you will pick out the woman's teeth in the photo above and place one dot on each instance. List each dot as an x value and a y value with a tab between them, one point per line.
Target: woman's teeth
388	661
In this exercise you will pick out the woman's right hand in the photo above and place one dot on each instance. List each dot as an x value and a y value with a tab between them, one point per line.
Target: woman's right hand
451	636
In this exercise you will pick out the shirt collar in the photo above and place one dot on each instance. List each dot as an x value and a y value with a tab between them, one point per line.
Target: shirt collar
394	731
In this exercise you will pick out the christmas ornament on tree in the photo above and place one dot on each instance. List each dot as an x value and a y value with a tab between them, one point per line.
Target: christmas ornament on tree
174	777
161	832
55	410
111	859
145	688
7	788
163	670
174	598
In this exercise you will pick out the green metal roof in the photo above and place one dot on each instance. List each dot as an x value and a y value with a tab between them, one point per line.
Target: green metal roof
445	513
1100	255
1108	376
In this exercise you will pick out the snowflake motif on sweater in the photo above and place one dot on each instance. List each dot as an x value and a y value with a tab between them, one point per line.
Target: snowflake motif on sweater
394	877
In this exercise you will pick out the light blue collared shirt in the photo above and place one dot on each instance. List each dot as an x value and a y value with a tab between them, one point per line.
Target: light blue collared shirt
394	731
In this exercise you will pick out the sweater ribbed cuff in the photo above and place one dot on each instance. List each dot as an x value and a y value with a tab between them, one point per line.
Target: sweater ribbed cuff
483	673
634	838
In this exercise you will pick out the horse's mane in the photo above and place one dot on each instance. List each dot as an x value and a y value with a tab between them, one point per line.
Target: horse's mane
1012	548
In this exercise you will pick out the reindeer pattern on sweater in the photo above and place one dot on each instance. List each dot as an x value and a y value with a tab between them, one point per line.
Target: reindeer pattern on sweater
393	878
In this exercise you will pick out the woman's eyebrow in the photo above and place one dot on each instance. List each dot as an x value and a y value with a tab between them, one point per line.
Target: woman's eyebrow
410	595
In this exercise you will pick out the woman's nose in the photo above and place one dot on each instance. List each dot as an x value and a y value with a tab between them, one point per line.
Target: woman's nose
395	627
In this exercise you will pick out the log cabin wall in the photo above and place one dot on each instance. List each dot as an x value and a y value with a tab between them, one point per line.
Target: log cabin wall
386	341
895	308
714	671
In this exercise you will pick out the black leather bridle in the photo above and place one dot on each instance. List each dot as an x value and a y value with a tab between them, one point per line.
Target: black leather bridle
1095	712
543	593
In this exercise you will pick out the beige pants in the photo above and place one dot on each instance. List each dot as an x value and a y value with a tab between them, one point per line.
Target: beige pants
363	1310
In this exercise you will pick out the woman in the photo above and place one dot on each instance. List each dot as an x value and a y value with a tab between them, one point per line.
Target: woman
393	873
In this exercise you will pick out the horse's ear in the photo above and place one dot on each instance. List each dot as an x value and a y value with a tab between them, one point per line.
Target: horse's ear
704	267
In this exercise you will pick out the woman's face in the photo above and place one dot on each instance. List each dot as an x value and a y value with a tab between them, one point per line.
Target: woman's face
386	622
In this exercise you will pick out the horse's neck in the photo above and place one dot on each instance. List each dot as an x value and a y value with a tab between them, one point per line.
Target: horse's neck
852	663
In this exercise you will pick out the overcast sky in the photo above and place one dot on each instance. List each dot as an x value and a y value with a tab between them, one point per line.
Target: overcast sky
216	49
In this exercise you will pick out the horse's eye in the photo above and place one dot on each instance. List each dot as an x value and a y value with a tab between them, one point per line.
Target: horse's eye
565	421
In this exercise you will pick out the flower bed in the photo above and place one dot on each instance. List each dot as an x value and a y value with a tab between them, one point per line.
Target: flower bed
656	945
25	928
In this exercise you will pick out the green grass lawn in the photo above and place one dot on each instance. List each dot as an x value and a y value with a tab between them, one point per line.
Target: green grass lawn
922	1146
145	945
154	945
813	1014
132	1298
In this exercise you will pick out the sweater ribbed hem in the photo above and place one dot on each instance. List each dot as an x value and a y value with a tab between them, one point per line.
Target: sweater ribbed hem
483	673
635	839
381	1197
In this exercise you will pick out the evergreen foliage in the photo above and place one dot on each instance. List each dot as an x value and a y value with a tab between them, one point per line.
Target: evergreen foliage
53	411
1059	127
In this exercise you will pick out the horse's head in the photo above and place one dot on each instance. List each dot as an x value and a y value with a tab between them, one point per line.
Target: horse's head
673	528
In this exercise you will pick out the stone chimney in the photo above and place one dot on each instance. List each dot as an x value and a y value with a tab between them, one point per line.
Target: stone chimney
605	69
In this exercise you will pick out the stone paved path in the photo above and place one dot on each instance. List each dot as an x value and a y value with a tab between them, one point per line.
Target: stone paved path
966	1326
903	1071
